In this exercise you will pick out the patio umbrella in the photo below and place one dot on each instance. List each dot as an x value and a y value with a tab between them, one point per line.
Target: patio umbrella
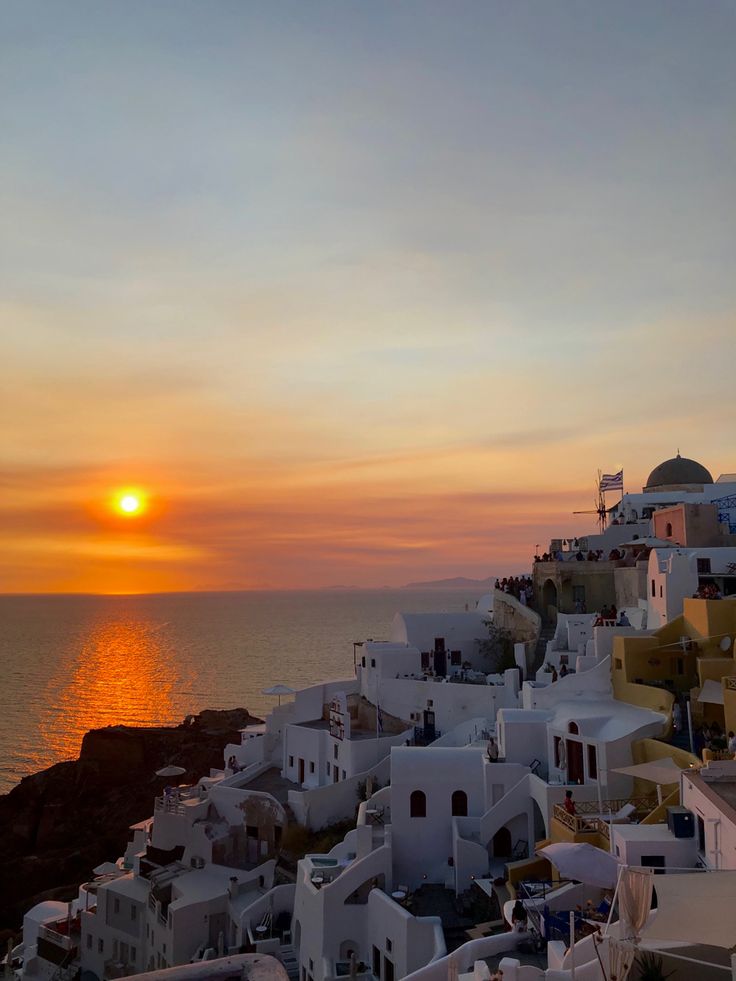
583	862
278	690
170	771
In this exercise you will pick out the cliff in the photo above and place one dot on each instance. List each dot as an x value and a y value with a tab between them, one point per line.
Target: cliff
57	825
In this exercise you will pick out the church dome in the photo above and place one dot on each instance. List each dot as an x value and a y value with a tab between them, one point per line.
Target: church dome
677	472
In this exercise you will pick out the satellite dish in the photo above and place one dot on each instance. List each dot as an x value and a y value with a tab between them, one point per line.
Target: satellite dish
726	644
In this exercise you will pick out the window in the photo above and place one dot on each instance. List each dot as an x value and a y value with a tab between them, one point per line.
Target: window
373	662
334	751
89	941
291	762
389	946
116	905
459	806
456	657
668	530
362	661
654	589
376	962
329	769
425	665
388	969
618	663
311	964
100	946
592	762
558	740
660	592
572	727
251	831
417	804
311	766
703	567
344	775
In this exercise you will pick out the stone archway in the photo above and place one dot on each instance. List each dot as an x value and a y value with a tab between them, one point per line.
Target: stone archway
549	599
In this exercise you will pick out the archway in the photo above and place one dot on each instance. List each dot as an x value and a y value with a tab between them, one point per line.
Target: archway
501	846
348	947
549	599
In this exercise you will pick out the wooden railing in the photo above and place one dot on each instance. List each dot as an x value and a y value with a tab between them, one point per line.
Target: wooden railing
730	683
591	819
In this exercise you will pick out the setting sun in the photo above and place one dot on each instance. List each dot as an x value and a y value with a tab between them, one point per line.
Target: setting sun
129	503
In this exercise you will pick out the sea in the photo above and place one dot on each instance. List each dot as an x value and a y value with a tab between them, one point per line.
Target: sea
73	663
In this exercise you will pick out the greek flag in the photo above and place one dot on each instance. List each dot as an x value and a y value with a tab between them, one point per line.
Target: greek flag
612	481
379	719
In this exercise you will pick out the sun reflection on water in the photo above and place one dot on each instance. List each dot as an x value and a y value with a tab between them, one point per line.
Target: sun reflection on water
124	675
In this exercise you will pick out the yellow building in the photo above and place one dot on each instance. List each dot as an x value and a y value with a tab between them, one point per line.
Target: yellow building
681	656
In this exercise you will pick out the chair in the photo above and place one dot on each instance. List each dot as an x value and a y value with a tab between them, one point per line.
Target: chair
623	814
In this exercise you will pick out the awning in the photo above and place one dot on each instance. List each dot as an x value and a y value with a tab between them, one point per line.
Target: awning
663	772
696	907
486	885
583	862
711	692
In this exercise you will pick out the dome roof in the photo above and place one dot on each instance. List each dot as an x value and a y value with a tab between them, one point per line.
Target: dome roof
678	470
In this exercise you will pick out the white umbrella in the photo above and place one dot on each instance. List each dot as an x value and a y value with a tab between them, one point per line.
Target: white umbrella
583	862
170	771
278	690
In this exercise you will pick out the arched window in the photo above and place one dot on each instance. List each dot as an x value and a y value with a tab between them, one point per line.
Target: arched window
572	728
459	804
668	530
417	804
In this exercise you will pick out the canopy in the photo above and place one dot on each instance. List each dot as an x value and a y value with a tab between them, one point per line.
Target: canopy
664	771
711	692
696	907
170	771
584	862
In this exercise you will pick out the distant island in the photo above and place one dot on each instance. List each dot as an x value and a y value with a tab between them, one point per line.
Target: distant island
459	582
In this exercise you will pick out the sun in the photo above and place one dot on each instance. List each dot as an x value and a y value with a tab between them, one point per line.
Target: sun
130	503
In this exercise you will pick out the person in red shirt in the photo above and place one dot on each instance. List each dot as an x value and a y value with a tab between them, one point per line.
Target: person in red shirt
569	802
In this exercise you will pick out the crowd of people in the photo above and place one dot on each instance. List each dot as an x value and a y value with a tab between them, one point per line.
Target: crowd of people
709	591
520	587
580	555
709	735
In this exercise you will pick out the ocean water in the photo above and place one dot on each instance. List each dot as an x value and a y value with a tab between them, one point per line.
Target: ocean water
73	663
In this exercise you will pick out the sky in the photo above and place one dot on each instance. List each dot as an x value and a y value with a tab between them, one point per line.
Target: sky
354	293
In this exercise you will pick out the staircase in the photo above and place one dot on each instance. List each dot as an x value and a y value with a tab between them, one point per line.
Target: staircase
289	960
546	634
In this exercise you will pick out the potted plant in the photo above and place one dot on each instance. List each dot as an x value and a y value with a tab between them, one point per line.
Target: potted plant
651	967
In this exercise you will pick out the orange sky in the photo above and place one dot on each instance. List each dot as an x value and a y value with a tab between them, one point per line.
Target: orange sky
353	312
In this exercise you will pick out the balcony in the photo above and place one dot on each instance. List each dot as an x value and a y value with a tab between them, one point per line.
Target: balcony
593	819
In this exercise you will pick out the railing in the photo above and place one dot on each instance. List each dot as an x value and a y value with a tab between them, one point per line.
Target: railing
730	683
169	805
597	822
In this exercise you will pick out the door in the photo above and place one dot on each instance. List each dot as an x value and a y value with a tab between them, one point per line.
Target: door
301	771
501	845
440	657
429	727
575	771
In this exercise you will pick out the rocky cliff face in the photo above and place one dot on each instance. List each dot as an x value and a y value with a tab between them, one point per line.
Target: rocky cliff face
57	825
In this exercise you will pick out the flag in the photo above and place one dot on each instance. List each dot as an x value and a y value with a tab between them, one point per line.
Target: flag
612	481
379	719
